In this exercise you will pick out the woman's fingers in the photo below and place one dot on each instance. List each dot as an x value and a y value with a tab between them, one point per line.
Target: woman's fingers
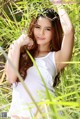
23	40
56	1
30	44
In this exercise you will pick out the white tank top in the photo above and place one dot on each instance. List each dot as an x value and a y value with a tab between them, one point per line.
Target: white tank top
33	81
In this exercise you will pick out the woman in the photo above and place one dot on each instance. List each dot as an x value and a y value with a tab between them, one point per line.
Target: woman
50	42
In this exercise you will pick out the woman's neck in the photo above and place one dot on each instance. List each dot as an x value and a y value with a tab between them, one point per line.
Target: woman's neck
43	48
42	51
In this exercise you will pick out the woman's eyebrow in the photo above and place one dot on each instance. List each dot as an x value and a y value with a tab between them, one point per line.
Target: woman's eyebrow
48	26
37	24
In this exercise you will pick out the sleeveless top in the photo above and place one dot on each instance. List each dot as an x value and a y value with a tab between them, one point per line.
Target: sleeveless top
20	99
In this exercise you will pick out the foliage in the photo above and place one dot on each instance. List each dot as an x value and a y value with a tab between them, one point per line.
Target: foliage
15	15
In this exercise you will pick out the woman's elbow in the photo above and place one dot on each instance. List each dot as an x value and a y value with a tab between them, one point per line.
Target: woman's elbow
72	30
11	79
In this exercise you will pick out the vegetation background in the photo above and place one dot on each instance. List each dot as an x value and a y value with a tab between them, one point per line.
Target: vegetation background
15	15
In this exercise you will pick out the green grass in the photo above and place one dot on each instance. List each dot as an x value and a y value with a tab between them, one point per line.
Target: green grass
16	16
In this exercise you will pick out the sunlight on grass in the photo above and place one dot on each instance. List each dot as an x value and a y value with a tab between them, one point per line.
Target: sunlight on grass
14	17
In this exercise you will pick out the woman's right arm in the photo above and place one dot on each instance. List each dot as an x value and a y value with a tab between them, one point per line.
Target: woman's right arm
14	56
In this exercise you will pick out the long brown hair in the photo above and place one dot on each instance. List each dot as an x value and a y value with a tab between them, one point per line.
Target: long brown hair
25	62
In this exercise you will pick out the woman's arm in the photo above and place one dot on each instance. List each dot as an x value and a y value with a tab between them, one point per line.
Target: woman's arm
65	53
14	56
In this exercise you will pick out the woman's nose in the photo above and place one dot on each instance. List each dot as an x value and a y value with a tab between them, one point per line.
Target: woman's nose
42	32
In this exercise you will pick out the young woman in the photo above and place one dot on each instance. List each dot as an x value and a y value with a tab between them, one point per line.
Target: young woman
50	41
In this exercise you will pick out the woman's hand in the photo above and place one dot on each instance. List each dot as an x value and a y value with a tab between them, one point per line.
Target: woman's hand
25	40
21	41
56	1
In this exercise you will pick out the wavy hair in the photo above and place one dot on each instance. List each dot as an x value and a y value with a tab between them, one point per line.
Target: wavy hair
25	62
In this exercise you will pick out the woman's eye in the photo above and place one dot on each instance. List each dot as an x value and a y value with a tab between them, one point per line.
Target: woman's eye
48	29
37	26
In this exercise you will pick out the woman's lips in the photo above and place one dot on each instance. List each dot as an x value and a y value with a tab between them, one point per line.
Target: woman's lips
40	38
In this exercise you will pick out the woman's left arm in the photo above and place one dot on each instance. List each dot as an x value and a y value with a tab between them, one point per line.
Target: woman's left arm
64	55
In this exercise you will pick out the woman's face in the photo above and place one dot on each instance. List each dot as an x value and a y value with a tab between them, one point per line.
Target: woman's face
43	31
